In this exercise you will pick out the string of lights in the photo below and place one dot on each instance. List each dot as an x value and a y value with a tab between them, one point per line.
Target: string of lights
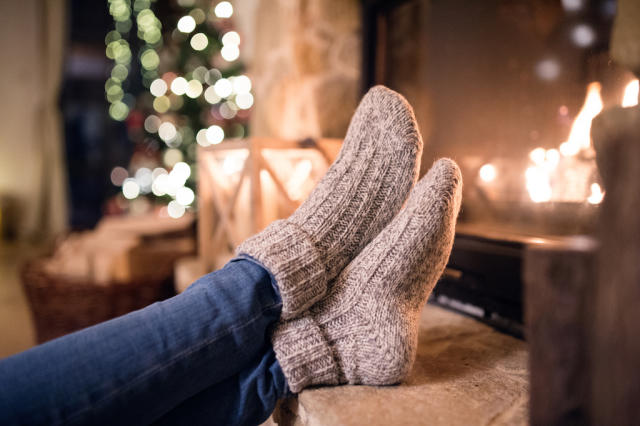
196	94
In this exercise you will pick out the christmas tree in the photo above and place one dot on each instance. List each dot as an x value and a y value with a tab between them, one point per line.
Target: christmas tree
185	89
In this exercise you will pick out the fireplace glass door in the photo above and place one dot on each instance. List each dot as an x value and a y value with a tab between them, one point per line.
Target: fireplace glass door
508	89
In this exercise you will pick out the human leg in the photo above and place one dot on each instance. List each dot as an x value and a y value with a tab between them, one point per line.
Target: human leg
246	398
135	368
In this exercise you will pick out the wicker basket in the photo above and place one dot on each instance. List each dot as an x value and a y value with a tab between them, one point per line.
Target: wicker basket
61	304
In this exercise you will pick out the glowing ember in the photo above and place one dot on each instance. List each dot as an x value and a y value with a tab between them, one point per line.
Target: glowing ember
630	97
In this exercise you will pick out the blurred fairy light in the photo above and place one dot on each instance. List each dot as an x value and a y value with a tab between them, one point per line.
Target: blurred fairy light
572	5
167	131
118	111
161	104
198	15
224	9
201	138
212	76
211	96
130	189
631	92
199	41
241	84
583	35
230	52
144	179
181	171
118	49
194	89
149	59
158	87
179	85
548	69
228	110
118	175
169	92
231	38
215	134
244	100
185	196
223	87
119	73
172	156
186	24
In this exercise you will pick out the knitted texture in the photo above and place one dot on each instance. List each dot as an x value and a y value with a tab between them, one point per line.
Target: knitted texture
365	331
361	192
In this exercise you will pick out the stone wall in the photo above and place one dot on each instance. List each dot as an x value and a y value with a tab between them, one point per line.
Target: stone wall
304	60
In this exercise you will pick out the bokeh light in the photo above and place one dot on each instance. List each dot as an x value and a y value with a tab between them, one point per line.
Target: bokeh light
215	134
158	87
118	175
223	87
152	123
224	9
186	24
230	52
179	85
244	100
161	104
199	41
130	189
194	89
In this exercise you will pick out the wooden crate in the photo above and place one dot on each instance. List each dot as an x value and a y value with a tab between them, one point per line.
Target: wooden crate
245	184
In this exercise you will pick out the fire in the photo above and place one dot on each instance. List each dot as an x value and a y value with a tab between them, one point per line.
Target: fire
561	174
556	178
630	97
579	137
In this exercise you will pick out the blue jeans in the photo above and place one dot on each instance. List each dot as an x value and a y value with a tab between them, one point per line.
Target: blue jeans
202	357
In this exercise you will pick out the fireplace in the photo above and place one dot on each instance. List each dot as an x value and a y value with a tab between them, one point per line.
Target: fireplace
508	89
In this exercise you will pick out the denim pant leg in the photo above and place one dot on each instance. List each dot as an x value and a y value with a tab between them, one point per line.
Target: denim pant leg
247	398
136	368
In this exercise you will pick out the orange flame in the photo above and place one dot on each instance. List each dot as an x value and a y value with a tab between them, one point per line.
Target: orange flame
579	137
630	97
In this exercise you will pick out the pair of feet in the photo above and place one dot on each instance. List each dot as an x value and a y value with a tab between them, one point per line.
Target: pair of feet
353	266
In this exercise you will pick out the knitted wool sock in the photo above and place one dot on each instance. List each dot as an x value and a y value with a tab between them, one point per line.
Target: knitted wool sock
361	192
365	330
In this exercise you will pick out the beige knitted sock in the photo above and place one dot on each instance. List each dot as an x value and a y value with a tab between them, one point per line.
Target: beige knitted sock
365	330
361	192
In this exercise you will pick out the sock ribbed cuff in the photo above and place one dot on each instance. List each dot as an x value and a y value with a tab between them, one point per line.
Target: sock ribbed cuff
304	354
294	261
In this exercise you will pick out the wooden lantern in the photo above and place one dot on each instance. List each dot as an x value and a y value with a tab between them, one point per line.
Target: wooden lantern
243	185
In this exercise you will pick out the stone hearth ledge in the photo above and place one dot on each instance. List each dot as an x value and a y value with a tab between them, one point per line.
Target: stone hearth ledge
465	373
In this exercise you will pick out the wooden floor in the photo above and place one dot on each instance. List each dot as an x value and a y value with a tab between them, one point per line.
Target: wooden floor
16	327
